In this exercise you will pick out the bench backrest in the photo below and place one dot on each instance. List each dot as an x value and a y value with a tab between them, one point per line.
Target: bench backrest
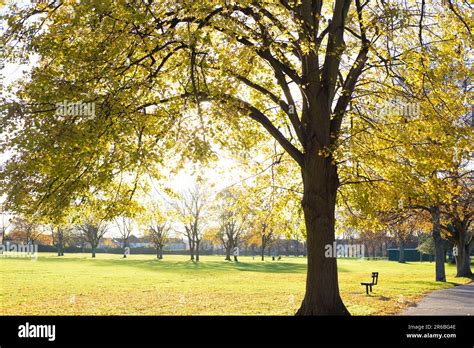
375	278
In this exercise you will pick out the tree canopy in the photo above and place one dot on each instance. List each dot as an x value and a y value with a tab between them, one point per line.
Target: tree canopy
169	81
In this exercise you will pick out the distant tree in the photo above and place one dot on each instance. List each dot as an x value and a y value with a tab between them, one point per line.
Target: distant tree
232	220
267	217
125	226
191	207
426	246
4	225
92	232
401	227
60	234
158	234
264	234
25	230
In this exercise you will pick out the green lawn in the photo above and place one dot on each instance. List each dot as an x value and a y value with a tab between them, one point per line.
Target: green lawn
76	284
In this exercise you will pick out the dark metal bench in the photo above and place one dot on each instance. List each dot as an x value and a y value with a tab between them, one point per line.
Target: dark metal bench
375	279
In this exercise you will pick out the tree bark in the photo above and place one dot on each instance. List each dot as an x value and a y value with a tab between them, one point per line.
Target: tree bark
401	254
320	181
227	253
124	246
440	256
197	251
463	259
93	252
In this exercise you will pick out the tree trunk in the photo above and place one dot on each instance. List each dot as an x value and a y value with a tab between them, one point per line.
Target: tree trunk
263	249
227	253
160	253
191	251
93	252
401	254
124	246
463	259
440	256
60	243
197	251
320	181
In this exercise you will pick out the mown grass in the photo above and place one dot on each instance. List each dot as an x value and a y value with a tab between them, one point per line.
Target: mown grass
76	284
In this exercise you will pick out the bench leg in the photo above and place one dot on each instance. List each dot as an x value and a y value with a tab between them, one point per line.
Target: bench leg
370	288
367	289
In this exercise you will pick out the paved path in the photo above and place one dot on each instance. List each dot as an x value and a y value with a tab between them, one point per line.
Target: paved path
458	300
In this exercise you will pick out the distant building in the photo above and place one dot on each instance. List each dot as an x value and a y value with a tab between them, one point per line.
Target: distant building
106	243
139	242
176	244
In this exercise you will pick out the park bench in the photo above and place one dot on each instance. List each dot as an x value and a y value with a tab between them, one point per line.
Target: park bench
375	279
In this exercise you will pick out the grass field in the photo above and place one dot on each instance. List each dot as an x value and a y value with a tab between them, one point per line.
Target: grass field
76	284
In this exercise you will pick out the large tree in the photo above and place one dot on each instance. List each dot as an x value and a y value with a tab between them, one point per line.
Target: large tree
458	217
410	140
162	71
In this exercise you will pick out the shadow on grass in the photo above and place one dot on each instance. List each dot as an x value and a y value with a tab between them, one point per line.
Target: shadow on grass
164	265
426	283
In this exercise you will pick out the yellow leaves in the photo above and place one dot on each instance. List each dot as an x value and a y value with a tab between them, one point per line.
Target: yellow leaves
325	152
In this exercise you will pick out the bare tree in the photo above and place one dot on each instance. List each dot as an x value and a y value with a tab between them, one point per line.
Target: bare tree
125	227
25	230
4	225
231	220
61	235
92	232
266	235
191	208
159	235
401	226
229	232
